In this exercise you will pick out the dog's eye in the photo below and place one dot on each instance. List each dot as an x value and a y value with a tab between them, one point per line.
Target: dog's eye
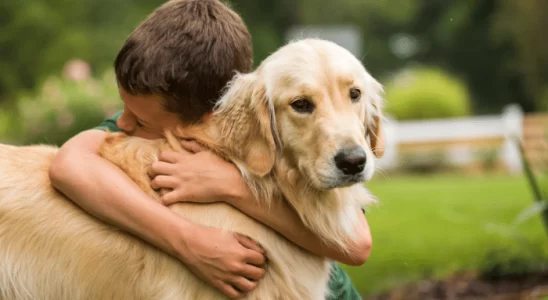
355	94
303	106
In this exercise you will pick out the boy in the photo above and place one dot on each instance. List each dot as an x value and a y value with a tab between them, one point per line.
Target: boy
171	71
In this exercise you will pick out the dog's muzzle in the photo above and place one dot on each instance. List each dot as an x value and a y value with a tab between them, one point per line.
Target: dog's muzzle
351	161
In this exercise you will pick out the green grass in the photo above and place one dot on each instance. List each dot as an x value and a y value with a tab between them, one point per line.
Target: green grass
433	226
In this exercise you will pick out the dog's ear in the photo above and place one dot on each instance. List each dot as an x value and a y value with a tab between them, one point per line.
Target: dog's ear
247	124
373	125
376	136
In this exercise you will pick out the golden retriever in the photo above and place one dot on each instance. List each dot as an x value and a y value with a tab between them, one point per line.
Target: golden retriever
305	125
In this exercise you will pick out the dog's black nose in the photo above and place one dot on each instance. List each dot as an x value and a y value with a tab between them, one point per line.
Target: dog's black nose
351	161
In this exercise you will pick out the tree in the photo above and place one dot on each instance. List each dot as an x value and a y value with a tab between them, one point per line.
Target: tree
523	24
38	37
496	47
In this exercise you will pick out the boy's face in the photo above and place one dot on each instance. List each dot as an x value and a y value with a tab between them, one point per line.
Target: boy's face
144	116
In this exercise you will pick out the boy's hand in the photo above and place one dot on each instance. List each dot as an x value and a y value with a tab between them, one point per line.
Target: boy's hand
230	262
196	176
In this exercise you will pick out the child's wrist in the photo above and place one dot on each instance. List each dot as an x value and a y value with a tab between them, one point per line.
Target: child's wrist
180	241
236	193
235	196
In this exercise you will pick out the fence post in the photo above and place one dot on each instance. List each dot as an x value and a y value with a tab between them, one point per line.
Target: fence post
390	130
512	119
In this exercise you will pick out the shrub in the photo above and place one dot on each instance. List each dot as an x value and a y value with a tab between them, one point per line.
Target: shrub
424	162
513	261
426	93
61	109
539	187
488	158
6	119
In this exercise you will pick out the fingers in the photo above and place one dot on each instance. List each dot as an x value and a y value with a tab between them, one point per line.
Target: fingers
255	258
243	284
170	198
192	146
163	181
253	273
248	243
161	168
170	156
255	254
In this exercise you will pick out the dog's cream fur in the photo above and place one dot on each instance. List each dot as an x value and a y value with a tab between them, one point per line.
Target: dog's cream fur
50	249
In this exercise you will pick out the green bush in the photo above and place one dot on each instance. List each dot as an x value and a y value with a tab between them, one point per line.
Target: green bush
10	128
513	261
423	162
61	109
488	158
426	93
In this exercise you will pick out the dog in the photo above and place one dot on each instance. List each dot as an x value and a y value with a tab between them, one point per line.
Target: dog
309	117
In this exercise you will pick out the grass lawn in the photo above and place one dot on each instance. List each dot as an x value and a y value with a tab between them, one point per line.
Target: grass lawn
433	226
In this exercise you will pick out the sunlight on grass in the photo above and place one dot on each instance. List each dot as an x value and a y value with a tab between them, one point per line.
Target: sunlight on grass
433	226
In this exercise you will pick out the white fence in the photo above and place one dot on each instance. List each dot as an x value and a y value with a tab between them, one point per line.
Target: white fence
505	126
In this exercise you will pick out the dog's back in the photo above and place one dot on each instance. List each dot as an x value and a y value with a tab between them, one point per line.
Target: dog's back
51	249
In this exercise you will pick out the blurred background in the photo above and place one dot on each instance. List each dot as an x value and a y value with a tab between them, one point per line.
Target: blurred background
464	183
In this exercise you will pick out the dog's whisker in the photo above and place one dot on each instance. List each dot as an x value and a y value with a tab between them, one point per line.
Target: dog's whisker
383	173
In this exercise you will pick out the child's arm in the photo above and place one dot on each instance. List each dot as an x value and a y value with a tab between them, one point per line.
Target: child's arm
204	177
105	191
291	226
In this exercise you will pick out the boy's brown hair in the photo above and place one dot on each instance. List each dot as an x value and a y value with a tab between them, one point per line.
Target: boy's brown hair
186	51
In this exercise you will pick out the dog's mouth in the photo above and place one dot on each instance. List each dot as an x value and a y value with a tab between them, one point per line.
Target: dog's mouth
348	180
340	181
353	179
326	176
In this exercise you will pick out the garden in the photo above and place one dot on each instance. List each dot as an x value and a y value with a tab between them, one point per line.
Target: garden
446	233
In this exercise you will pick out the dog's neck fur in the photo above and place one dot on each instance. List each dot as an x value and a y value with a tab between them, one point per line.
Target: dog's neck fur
335	211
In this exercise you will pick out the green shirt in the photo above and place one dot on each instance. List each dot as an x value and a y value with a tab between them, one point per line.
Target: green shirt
110	123
340	284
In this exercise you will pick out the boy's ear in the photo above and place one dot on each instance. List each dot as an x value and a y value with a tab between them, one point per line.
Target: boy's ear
248	125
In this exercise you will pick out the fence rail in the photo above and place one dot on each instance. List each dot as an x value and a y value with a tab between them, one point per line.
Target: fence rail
463	140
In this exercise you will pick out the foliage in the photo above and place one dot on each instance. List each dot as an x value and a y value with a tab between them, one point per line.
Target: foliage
434	226
538	187
424	162
61	109
543	183
512	261
487	43
38	37
488	158
7	120
426	93
523	24
508	262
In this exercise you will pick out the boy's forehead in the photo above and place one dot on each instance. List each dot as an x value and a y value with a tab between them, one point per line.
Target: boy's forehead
146	107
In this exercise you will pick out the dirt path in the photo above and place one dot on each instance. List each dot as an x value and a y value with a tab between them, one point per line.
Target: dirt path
468	287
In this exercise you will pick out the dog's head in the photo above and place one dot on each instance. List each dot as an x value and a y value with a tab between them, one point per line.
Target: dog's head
311	102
